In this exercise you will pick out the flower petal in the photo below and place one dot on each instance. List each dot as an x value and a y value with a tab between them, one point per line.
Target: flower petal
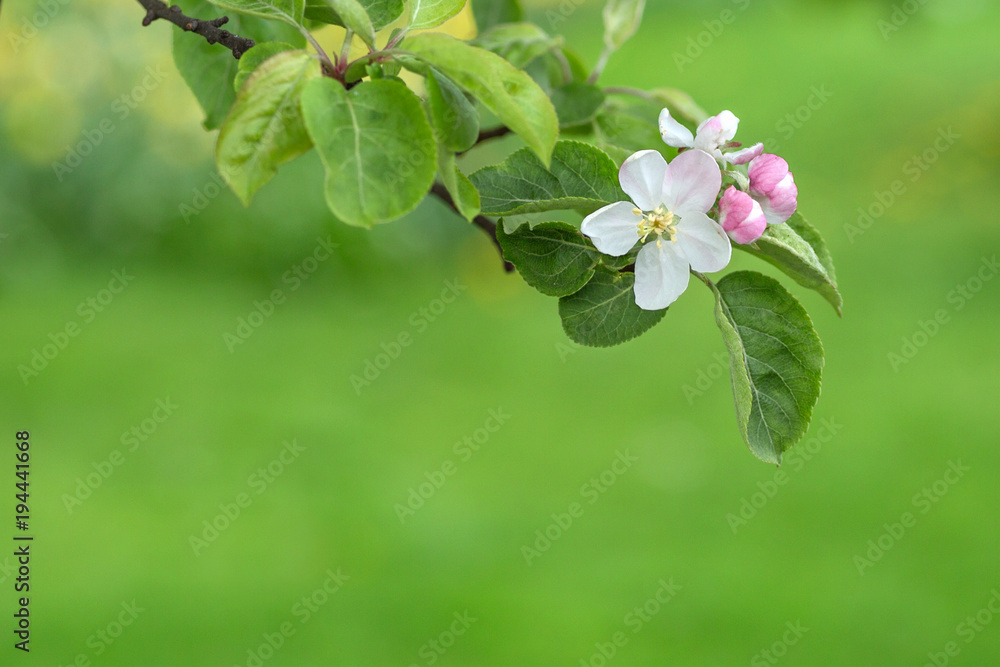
766	172
692	183
745	155
717	130
641	178
613	229
780	205
704	243
662	274
673	133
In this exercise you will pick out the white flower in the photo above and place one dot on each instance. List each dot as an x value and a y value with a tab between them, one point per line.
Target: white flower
668	216
713	135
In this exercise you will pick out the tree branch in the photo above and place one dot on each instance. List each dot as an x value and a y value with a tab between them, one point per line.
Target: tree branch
210	30
481	221
486	135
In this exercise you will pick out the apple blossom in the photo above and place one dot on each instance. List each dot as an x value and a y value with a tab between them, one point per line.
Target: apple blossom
713	135
773	186
741	216
669	204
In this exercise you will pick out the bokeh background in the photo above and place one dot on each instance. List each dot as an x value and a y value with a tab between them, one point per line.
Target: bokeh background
886	97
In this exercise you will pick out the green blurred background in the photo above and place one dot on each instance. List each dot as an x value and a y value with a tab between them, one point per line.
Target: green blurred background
499	345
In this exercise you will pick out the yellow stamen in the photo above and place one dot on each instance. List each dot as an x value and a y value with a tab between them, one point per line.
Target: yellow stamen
659	222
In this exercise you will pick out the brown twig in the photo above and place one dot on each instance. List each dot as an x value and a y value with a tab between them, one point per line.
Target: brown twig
211	30
481	221
486	135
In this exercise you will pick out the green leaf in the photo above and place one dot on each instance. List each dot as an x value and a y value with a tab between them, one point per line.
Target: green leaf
632	125
518	43
209	69
426	14
355	17
553	257
577	103
622	19
376	145
776	361
800	252
286	11
264	129
581	178
461	189
380	12
454	118
489	13
254	58
604	314
513	97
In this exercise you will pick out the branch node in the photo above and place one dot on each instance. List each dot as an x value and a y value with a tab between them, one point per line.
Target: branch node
209	29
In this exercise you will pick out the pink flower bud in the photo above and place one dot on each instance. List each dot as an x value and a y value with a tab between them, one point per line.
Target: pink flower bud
773	186
741	216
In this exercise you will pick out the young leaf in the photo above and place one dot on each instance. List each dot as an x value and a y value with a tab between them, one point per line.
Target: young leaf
453	117
680	104
381	12
426	14
463	192
513	97
489	13
518	43
621	21
604	314
577	103
581	178
287	11
376	145
630	125
209	70
354	17
254	58
264	129
553	257
776	361
798	249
